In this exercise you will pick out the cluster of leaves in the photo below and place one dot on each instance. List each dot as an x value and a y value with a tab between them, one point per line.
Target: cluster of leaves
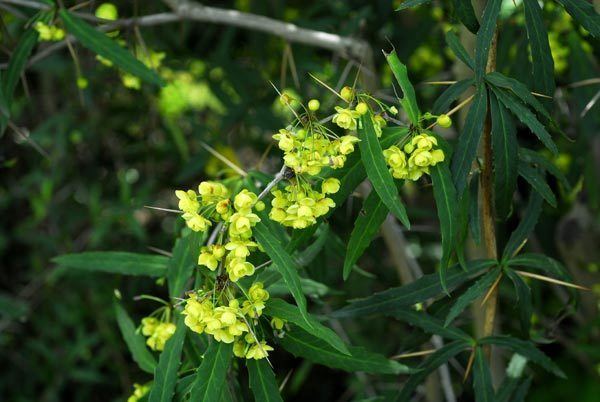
192	368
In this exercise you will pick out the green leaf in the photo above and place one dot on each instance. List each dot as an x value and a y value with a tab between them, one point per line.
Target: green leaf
505	151
211	375
281	309
182	263
526	349
519	90
441	356
478	289
526	226
535	158
474	213
485	36
394	300
302	344
465	13
165	375
466	149
523	304
459	50
537	181
447	203
4	105
262	381
526	117
366	227
585	14
411	3
104	46
543	64
541	263
377	170
452	93
116	262
134	340
522	390
284	264
482	378
409	99
431	325
18	62
353	173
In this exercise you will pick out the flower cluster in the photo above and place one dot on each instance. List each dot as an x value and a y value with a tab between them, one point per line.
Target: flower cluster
139	392
414	159
229	320
300	205
158	332
47	33
309	147
212	203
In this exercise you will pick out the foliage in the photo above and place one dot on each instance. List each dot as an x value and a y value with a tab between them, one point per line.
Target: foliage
481	199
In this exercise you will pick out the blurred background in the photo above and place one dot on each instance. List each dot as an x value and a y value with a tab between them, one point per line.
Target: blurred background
90	147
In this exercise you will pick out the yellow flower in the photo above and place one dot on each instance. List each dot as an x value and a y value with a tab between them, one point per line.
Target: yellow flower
139	391
347	144
330	186
345	118
239	349
361	108
149	325
188	201
277	323
347	94
196	222
258	293
240	248
244	200
258	351
211	255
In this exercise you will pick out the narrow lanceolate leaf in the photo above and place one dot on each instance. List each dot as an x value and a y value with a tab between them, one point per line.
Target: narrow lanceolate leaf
474	213
302	344
519	90
526	226
537	181
446	202
526	117
478	289
17	62
468	140
395	300
365	229
165	375
452	93
482	378
535	158
281	309
505	151
353	173
432	362
465	13
485	36
4	106
262	381
458	49
409	99
104	46
543	64
377	170
541	263
212	373
181	265
526	349
134	340
584	13
411	3
523	304
115	262
284	264
431	324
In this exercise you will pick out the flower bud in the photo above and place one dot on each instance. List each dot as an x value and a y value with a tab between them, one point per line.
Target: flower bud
444	121
347	94
314	105
362	108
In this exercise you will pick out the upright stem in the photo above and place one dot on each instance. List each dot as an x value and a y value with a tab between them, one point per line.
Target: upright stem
487	206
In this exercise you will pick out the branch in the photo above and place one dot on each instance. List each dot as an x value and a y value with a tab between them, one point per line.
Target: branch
350	47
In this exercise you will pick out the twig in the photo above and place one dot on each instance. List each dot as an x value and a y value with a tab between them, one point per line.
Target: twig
278	177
